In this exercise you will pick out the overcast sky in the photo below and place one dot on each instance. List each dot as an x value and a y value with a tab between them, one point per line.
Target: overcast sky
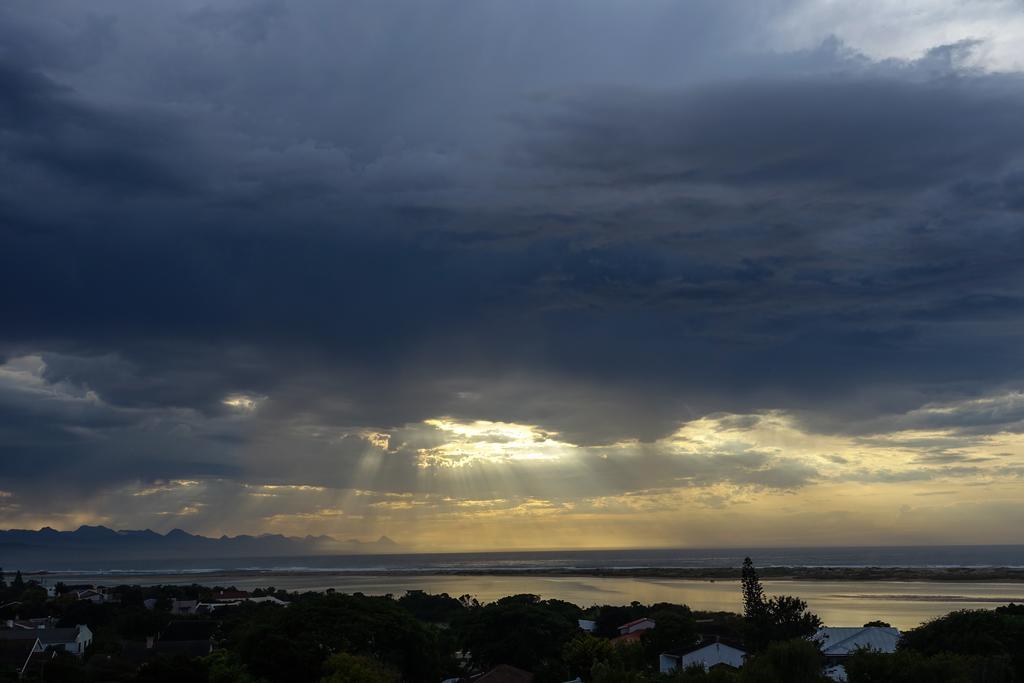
482	274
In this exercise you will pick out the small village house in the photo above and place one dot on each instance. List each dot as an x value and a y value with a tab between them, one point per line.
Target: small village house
708	655
839	643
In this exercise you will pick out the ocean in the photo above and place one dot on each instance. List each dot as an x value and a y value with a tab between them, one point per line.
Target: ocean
904	604
880	556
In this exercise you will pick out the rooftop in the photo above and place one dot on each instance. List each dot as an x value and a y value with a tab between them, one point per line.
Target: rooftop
47	636
845	640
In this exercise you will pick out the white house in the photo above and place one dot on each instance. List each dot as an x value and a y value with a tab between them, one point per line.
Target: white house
838	643
268	598
587	625
707	655
637	625
89	595
74	640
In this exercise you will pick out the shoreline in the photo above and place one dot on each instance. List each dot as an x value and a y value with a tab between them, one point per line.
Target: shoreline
864	574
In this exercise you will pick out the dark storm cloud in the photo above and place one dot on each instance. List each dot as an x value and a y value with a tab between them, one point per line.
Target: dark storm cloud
600	228
849	135
46	129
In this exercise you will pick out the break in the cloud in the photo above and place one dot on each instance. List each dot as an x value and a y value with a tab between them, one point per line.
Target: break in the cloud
491	274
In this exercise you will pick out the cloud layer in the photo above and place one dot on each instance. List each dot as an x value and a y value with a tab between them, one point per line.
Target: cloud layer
515	271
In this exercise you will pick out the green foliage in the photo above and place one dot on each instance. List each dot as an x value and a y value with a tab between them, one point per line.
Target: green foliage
753	592
908	666
437	609
137	623
974	633
674	627
632	655
726	625
292	644
60	667
616	672
338	638
788	618
108	668
345	668
1011	609
792	661
583	652
84	612
177	669
520	630
224	666
779	618
610	617
32	598
698	674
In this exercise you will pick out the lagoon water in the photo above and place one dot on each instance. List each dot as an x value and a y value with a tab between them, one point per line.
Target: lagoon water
904	604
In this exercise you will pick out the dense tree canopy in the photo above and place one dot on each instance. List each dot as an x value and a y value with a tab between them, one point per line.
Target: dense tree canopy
419	637
520	630
987	634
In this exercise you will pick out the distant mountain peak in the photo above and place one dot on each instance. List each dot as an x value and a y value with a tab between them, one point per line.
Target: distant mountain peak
384	540
94	531
138	532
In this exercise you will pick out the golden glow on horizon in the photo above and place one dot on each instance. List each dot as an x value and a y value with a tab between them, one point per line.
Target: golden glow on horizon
759	479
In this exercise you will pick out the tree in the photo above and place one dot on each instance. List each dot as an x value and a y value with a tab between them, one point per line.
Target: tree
1012	608
343	667
60	667
520	630
3	581
908	666
18	584
431	608
674	627
781	617
788	618
612	672
178	669
753	592
278	657
982	634
610	617
792	661
224	666
292	644
583	652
